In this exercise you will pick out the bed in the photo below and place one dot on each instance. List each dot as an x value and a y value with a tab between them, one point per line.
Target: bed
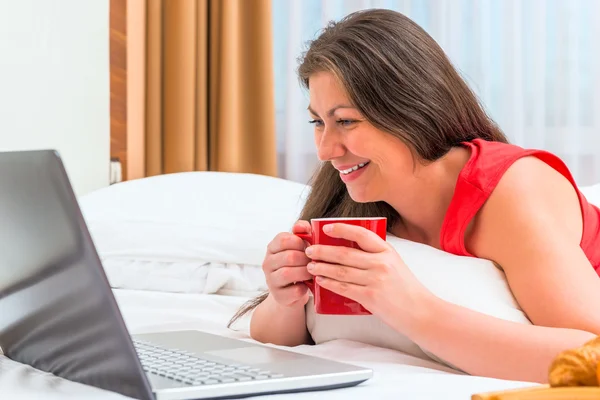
396	375
184	252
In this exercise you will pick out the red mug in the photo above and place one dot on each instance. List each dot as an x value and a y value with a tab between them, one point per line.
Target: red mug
326	301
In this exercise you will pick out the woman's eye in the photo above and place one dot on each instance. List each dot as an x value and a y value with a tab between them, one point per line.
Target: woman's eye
345	122
316	122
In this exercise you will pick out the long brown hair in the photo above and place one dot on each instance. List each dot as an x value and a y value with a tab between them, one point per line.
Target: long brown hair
403	83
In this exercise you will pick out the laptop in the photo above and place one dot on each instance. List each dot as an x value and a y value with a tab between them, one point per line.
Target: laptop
58	313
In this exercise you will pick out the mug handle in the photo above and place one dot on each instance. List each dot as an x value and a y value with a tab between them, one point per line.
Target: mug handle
309	238
306	236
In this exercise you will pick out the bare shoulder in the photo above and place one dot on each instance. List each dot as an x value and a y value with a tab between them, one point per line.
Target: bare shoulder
531	226
529	194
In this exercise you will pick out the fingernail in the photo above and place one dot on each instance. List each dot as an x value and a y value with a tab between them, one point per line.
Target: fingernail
310	266
308	251
327	228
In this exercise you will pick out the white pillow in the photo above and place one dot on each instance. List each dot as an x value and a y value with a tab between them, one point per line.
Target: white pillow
196	232
219	217
592	194
473	283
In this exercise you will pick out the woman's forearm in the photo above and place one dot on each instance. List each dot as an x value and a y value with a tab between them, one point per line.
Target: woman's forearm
487	346
284	326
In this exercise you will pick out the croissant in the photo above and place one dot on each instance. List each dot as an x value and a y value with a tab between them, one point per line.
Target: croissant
577	367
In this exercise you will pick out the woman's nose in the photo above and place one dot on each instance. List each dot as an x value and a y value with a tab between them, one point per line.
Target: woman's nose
329	145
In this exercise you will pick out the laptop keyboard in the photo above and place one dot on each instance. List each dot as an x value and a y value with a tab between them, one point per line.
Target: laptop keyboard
187	367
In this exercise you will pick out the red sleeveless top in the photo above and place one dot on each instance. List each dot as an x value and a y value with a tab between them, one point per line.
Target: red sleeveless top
479	177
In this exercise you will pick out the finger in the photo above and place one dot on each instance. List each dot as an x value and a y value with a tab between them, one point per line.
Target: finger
349	290
289	275
340	273
286	258
285	241
367	240
301	226
291	294
340	255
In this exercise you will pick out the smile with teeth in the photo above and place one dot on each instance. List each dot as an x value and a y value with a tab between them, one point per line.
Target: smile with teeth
356	167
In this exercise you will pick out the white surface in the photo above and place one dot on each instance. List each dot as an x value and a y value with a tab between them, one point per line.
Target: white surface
186	277
533	64
396	375
54	84
192	217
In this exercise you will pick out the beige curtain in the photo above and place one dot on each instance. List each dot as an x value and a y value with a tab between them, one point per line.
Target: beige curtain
208	88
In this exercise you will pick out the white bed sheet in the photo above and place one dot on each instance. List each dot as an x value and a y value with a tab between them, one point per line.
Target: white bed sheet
396	375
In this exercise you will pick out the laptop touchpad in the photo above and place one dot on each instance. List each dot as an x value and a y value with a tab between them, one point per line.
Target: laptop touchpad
256	355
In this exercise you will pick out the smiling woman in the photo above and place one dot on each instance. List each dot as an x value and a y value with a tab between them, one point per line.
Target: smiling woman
508	53
400	135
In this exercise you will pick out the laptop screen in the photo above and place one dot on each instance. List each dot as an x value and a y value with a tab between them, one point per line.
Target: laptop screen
57	312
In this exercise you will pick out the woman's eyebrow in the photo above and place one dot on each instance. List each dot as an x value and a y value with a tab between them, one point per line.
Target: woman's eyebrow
330	112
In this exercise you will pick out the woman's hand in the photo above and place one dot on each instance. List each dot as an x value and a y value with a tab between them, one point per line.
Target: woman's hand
285	267
375	276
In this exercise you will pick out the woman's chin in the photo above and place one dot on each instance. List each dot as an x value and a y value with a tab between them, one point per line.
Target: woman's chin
359	196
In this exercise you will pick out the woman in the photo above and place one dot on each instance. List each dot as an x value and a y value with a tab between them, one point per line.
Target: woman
401	135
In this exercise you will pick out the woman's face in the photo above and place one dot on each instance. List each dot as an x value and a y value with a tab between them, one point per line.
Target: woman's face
369	160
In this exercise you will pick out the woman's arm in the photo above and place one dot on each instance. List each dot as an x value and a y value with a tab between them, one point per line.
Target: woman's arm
280	325
483	345
280	319
531	226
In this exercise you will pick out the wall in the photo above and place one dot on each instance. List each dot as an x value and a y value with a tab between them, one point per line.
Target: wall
54	83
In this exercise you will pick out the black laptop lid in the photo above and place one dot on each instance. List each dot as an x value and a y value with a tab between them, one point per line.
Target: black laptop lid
57	312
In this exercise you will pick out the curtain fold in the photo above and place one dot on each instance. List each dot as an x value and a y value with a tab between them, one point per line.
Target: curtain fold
153	129
209	95
242	86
